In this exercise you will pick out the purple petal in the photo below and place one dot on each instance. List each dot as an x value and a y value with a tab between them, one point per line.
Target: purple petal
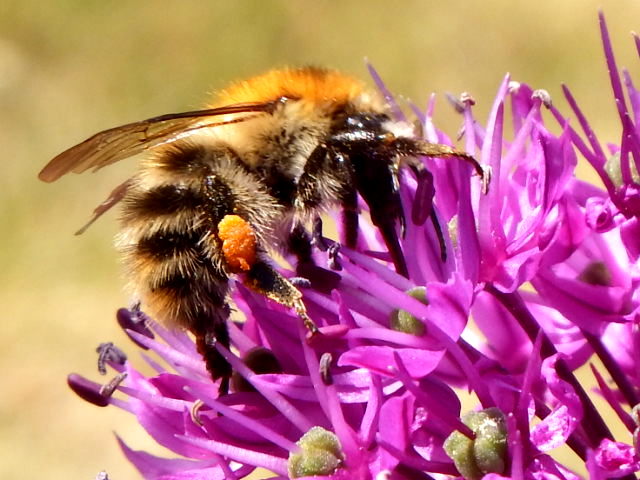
505	339
152	467
380	360
352	387
370	419
554	430
395	418
617	459
243	455
630	235
393	105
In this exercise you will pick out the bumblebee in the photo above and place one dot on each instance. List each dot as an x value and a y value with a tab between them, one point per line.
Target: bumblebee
220	189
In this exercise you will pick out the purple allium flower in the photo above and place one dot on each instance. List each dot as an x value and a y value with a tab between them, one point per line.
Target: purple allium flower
538	276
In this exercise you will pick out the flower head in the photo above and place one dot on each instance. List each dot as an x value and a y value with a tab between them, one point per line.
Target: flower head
507	293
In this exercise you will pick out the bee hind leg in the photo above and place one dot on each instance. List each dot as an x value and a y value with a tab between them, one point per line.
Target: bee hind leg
241	254
209	332
266	280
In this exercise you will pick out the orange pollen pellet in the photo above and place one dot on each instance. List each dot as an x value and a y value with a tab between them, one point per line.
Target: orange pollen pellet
238	243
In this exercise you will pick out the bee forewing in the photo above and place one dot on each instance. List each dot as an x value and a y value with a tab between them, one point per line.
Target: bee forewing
118	143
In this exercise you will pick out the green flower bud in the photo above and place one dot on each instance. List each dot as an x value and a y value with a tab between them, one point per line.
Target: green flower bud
635	414
612	167
460	449
403	321
452	228
320	454
484	454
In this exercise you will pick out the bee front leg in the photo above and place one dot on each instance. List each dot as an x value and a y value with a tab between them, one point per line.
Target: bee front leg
350	216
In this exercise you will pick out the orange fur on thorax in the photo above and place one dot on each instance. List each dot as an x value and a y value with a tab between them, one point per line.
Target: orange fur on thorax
318	86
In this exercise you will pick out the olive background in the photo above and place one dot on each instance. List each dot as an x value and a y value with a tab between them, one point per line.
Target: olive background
69	68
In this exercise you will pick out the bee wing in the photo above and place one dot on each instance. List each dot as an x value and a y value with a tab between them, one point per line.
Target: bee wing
114	197
114	144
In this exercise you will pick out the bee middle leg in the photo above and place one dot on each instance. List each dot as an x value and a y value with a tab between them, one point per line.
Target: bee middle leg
300	243
328	178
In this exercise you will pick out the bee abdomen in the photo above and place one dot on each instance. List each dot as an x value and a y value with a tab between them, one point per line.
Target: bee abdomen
173	264
170	242
166	244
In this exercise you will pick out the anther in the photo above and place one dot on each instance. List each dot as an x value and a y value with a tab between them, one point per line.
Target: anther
460	103
93	392
107	389
300	282
87	390
513	86
543	96
109	353
467	99
195	412
325	368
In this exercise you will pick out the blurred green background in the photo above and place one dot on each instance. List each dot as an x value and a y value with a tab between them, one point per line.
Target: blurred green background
70	68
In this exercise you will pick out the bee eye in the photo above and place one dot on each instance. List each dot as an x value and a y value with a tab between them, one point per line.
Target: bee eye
340	159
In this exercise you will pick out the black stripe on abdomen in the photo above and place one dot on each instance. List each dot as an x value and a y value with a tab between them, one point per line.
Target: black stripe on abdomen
162	200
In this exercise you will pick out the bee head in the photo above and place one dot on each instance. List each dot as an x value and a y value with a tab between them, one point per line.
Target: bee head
368	147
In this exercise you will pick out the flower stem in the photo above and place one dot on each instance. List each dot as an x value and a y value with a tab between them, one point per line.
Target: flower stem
619	377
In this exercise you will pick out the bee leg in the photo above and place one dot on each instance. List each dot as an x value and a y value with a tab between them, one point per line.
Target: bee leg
376	180
387	228
423	203
240	252
264	279
337	174
349	217
440	235
317	240
209	321
385	210
301	245
210	330
308	194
